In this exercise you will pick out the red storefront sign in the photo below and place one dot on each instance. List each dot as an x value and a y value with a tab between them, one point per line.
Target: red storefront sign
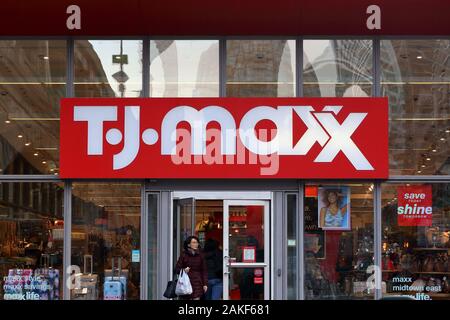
224	138
415	206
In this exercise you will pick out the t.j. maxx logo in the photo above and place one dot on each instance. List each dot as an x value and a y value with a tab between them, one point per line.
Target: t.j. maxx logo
223	137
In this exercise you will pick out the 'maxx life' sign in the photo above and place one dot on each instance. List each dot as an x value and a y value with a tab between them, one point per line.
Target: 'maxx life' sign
224	138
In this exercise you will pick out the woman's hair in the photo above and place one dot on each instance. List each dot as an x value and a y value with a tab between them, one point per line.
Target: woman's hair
327	192
188	241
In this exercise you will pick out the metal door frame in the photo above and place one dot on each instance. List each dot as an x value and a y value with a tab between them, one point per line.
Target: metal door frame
267	228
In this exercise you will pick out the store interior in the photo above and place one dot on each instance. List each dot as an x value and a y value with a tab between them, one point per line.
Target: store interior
31	241
246	229
415	258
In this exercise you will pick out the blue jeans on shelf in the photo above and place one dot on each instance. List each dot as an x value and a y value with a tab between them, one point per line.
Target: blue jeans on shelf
215	287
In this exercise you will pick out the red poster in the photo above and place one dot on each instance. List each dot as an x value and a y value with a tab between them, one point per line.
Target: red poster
415	206
224	138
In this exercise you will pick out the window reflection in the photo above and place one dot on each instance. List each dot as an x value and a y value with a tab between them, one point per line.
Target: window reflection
184	68
108	68
264	68
32	81
415	76
337	68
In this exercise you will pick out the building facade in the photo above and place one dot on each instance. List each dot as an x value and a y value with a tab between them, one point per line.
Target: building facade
271	231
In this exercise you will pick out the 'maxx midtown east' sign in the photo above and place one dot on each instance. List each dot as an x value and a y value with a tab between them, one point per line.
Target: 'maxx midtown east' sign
224	138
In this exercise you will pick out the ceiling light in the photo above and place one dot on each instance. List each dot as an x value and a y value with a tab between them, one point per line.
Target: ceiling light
45	57
35	154
448	130
434	150
423	166
7	121
55	173
442	139
419	171
419	57
428	159
27	144
20	136
51	170
44	162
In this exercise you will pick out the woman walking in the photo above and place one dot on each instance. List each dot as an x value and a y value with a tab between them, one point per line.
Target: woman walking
193	263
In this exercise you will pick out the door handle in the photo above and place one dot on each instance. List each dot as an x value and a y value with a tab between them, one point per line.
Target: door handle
226	272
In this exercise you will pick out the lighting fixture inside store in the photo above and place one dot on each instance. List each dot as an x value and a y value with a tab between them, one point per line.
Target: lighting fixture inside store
419	57
20	136
44	162
7	121
419	171
27	144
35	154
442	139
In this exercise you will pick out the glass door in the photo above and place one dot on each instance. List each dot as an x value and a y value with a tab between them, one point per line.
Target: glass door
246	250
184	223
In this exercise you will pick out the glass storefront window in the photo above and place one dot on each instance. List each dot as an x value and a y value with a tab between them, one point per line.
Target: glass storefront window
106	220
31	241
292	257
152	212
108	68
260	68
337	68
338	240
415	76
415	243
184	68
32	80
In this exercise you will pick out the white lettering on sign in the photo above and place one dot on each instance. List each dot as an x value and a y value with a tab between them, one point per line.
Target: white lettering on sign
414	196
322	127
374	20
74	20
410	210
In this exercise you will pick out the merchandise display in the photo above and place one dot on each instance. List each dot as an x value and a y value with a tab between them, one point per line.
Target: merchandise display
115	286
415	259
30	260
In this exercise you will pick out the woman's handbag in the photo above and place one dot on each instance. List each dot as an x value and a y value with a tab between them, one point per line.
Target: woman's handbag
183	286
170	289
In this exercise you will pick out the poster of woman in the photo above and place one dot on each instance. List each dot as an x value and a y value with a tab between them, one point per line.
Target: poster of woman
334	208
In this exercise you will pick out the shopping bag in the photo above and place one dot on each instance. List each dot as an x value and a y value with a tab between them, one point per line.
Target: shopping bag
183	285
170	289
